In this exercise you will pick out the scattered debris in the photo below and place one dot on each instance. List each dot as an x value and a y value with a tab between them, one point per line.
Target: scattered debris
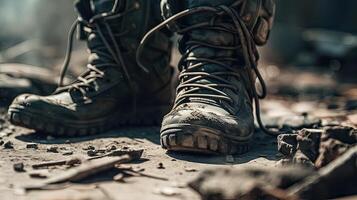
160	166
129	171
32	145
87	169
19	167
8	145
70	162
134	154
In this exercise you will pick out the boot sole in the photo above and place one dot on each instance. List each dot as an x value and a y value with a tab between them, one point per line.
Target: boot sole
202	140
71	128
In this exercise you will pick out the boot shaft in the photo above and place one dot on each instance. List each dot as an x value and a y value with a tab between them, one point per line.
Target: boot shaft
123	27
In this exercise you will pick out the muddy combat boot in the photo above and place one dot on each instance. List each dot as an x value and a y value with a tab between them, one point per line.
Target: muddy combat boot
114	90
213	106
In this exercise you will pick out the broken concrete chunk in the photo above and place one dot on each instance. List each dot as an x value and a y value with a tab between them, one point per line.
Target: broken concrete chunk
287	144
308	141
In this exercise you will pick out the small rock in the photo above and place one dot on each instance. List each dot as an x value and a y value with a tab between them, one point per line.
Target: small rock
92	152
32	146
52	149
8	145
160	166
1	142
19	167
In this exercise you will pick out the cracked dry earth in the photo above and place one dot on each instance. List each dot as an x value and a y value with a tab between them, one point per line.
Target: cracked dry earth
280	111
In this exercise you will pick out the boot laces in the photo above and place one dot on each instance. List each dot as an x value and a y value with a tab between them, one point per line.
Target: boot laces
189	75
99	25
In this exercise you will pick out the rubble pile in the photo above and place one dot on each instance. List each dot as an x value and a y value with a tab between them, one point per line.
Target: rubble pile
337	179
316	147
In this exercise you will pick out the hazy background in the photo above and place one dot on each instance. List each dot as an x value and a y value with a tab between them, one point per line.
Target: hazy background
35	31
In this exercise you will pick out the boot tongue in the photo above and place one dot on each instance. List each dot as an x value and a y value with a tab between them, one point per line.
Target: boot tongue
212	37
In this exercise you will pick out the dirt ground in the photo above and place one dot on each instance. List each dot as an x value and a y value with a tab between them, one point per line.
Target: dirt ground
178	169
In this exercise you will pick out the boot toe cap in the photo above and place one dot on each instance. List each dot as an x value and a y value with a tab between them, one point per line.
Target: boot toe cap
211	117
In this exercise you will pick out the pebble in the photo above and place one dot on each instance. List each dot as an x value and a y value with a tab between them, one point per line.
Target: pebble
32	146
53	149
92	152
19	167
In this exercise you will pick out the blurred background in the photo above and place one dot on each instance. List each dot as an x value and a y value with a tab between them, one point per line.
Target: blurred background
314	36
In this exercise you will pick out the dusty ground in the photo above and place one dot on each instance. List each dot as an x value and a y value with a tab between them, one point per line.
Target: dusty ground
177	168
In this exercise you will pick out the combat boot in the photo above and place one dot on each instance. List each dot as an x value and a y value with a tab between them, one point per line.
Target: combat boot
113	90
213	110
